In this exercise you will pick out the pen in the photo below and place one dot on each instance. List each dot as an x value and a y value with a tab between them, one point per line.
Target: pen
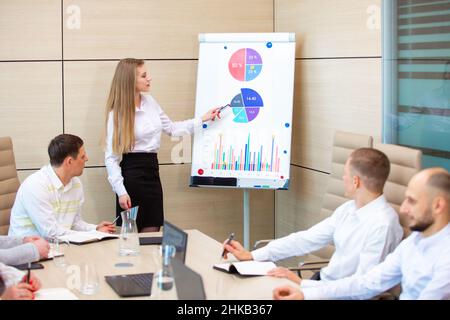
231	237
221	108
115	220
29	272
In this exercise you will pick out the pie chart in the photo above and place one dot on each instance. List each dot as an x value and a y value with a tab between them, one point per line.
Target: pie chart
245	64
246	105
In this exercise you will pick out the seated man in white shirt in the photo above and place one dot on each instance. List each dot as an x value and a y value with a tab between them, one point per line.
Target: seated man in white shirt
421	263
364	230
48	202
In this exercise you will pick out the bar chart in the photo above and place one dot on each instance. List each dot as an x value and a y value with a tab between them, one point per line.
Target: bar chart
248	156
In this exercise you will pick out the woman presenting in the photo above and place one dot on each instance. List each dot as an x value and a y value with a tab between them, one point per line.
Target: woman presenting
133	135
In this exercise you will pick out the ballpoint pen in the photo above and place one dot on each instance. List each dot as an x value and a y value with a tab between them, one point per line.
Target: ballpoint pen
28	272
221	108
115	220
230	238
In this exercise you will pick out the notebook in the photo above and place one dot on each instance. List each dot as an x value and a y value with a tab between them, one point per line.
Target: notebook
246	268
173	235
84	237
33	266
131	285
188	283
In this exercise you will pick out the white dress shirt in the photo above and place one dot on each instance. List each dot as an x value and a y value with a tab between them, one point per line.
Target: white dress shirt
362	237
421	265
45	207
149	121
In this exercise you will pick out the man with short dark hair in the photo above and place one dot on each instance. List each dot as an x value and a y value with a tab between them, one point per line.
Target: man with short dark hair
421	263
49	201
364	230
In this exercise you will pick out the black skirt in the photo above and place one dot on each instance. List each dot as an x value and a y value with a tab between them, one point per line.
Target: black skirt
140	172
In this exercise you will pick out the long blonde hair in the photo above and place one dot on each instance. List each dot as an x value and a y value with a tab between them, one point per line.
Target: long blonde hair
121	103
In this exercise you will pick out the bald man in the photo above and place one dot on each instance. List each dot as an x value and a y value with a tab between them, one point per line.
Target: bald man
421	263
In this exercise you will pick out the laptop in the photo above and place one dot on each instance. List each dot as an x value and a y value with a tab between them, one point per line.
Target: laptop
131	285
173	235
135	285
189	283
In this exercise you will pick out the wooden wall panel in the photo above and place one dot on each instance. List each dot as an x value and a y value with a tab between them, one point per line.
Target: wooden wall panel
112	29
299	207
99	199
30	30
337	28
30	103
333	94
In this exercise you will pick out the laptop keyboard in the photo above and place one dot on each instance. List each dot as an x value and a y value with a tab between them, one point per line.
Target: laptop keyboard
143	280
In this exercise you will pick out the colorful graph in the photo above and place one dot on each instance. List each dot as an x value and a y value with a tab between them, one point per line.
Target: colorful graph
247	158
245	64
246	105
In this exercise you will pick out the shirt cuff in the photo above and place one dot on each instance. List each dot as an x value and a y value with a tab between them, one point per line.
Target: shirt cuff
36	256
15	241
311	294
120	189
260	254
197	122
11	276
310	283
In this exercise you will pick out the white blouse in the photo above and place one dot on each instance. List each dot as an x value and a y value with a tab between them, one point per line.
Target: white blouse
149	121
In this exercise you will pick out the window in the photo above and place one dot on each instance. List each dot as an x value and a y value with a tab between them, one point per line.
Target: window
416	77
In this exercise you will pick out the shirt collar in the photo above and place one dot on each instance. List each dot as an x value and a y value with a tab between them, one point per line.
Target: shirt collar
143	102
54	179
371	208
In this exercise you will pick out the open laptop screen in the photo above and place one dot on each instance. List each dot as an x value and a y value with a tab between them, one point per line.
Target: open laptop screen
178	238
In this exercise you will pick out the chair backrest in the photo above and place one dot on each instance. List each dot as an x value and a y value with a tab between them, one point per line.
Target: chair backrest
344	143
405	162
9	182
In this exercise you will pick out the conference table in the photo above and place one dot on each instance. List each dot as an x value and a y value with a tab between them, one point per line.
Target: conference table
202	253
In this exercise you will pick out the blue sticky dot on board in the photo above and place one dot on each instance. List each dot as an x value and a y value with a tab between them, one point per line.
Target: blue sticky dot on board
285	152
287	125
205	126
269	44
225	47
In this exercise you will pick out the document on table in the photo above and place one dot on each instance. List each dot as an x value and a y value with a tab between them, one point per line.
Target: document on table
81	237
246	268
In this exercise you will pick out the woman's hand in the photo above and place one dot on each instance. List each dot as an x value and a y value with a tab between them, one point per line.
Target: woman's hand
21	291
35	283
211	114
125	202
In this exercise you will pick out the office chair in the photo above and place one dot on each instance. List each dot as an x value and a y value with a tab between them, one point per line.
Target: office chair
405	163
9	182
